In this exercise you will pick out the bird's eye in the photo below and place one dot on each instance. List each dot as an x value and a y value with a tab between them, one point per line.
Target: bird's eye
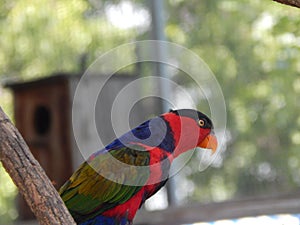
201	123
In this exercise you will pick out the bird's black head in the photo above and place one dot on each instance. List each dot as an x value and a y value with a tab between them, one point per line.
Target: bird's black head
195	115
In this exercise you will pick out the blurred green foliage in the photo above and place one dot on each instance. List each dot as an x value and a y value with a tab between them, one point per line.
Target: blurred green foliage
7	198
42	37
252	47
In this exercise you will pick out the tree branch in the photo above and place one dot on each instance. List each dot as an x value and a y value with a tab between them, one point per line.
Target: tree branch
295	3
29	177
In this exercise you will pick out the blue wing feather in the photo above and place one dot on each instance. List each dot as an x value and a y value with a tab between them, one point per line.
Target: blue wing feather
104	220
142	134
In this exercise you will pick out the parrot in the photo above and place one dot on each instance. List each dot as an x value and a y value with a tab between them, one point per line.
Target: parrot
114	182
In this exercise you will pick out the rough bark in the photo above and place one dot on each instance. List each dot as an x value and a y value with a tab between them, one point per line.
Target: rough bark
29	177
295	3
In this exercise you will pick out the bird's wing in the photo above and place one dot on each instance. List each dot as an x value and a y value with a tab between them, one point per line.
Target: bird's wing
89	192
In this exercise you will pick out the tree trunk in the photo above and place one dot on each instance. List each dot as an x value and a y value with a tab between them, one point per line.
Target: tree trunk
295	3
29	177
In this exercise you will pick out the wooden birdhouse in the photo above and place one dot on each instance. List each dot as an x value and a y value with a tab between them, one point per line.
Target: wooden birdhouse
43	115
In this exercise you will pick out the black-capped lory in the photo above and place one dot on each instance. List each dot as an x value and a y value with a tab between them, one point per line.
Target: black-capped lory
113	183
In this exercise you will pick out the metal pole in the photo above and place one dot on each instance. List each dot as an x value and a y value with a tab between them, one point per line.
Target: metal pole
158	25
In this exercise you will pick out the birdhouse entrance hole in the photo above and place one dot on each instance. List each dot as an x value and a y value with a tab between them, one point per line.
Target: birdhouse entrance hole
42	120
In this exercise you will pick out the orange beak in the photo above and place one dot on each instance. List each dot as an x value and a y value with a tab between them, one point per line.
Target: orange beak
210	142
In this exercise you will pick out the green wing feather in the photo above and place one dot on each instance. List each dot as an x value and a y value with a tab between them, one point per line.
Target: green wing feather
87	193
